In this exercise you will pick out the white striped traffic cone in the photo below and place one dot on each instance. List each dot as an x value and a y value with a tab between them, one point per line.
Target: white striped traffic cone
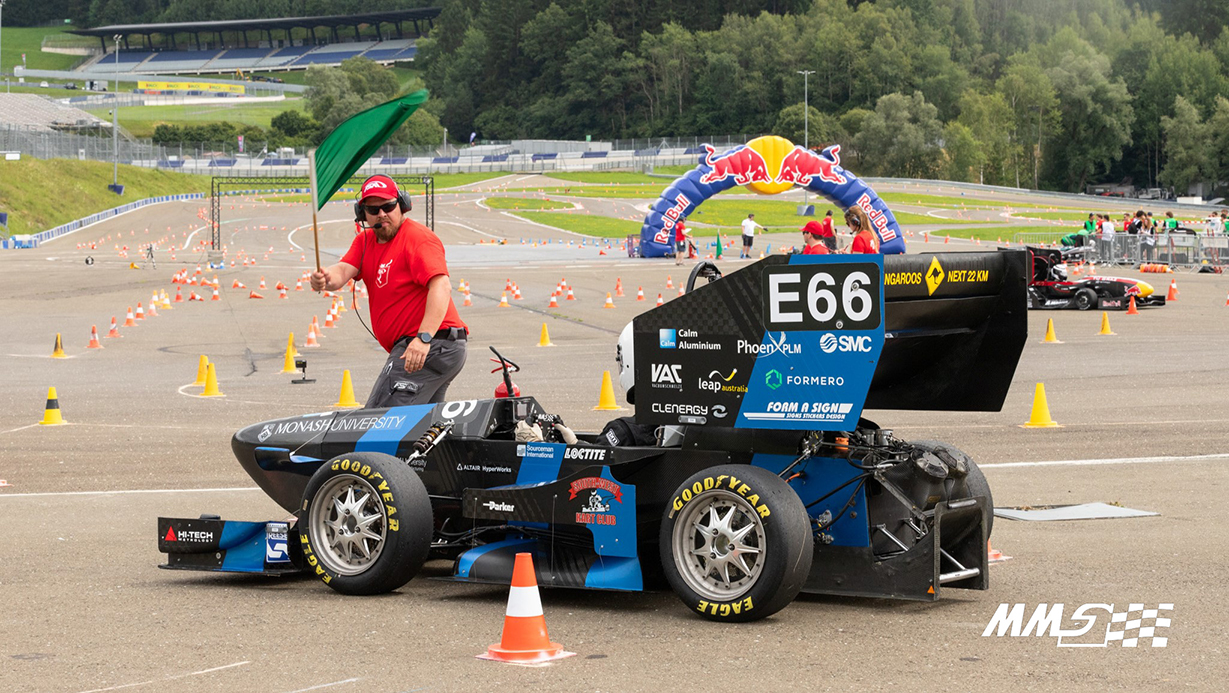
524	639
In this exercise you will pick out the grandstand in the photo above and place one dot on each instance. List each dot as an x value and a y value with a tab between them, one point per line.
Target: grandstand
225	46
35	113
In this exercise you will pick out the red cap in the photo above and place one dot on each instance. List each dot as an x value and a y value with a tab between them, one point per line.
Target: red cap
815	229
379	186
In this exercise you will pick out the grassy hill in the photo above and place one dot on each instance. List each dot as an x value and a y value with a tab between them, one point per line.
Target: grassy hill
29	40
39	195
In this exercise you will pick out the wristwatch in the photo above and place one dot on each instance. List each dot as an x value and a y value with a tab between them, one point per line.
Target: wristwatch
424	337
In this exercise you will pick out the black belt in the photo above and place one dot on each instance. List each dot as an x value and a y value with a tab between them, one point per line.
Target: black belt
452	334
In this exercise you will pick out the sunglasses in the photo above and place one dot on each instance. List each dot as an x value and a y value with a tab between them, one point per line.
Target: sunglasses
387	208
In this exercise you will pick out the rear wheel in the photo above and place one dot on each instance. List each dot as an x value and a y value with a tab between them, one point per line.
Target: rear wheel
1085	299
365	523
736	543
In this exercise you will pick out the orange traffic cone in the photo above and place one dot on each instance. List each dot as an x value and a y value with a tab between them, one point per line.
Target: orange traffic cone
640	293
281	293
524	637
216	296
571	296
115	328
993	555
316	326
503	300
179	294
254	295
153	308
468	300
516	293
1131	309
659	301
298	286
140	311
328	320
311	338
1227	300
94	343
508	285
554	301
669	282
262	286
129	321
609	301
618	287
1173	290
237	285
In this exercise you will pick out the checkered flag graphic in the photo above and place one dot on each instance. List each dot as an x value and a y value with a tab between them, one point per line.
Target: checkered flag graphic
1137	623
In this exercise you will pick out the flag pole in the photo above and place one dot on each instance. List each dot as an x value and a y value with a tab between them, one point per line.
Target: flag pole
311	172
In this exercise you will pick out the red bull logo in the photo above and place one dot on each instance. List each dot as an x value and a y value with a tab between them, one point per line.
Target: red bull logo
800	165
743	163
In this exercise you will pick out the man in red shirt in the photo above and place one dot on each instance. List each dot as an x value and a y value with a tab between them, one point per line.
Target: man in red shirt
412	313
827	232
812	238
680	242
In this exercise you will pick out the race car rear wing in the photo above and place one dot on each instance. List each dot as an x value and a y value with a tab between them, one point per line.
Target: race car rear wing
806	342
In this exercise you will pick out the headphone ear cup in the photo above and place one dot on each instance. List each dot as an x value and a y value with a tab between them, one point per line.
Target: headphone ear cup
358	212
403	199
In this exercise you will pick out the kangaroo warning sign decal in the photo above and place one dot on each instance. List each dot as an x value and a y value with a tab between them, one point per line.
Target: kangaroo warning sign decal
788	343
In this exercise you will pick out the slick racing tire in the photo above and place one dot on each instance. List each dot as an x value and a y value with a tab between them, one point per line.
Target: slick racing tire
974	482
1085	299
365	523
736	543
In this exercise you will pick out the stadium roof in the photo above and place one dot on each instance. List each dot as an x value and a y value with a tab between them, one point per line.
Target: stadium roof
280	23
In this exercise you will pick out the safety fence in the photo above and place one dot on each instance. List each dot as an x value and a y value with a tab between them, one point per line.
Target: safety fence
33	240
1184	251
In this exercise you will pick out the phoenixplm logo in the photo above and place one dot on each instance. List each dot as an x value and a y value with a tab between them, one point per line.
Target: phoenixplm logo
1130	627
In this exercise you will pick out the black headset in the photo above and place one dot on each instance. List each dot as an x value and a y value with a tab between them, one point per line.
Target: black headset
403	201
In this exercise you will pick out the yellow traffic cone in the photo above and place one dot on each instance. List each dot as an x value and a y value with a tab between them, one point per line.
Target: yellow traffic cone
211	384
503	300
544	340
58	352
202	371
291	352
606	401
609	301
51	413
347	393
1051	338
1041	411
1105	325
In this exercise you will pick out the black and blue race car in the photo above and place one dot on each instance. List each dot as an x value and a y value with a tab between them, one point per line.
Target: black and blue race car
748	473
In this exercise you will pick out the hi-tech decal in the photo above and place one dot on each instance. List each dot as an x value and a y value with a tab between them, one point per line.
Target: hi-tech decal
189	536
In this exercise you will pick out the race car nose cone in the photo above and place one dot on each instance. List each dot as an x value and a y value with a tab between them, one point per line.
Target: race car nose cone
1145	289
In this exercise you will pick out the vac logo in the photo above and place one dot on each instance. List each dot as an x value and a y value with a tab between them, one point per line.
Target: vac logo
1128	627
667	339
773	379
830	343
667	376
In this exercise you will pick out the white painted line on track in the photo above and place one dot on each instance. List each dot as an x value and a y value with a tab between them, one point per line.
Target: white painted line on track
129	492
468	227
326	685
169	678
1113	460
290	236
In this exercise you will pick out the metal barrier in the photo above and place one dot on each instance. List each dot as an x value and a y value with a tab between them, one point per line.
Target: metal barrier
1183	251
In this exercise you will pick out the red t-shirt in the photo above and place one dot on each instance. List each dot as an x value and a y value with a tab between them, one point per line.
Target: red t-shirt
826	225
865	242
679	232
396	274
817	249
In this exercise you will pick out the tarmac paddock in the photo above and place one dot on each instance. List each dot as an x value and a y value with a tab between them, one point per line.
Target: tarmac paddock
86	609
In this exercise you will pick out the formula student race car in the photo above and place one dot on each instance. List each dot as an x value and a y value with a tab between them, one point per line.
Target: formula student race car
747	474
1049	287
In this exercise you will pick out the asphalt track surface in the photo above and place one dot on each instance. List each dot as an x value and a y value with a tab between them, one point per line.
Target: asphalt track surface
85	608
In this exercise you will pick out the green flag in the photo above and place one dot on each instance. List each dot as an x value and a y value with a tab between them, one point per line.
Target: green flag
353	142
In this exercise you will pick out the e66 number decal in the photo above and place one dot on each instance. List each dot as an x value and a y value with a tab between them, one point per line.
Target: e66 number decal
844	296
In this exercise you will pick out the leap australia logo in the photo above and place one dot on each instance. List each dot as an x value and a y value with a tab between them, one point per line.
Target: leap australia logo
717	382
1131	628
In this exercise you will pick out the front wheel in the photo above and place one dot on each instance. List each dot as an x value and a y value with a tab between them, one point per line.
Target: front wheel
736	543
1085	299
365	523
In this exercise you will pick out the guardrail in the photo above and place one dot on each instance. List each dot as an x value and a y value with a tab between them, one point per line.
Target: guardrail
65	229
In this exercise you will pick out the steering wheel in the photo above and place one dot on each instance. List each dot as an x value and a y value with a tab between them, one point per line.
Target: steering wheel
706	269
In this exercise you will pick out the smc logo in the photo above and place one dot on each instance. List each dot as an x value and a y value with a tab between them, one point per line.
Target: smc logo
667	373
830	343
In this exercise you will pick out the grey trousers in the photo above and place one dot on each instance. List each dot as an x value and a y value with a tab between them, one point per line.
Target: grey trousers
428	385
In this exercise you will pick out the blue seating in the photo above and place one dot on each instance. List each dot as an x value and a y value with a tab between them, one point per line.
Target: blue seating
593	155
494	158
544	157
222	162
279	162
445	159
170	164
325	58
394	161
174	56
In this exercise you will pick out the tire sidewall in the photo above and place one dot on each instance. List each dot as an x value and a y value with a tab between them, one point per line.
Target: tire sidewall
407	517
789	544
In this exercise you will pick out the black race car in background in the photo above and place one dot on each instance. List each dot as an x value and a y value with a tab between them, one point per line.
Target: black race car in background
1050	288
754	476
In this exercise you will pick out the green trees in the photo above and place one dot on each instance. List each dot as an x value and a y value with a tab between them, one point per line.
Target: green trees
1192	157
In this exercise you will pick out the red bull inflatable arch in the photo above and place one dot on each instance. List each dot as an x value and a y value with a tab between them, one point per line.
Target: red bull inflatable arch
767	165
